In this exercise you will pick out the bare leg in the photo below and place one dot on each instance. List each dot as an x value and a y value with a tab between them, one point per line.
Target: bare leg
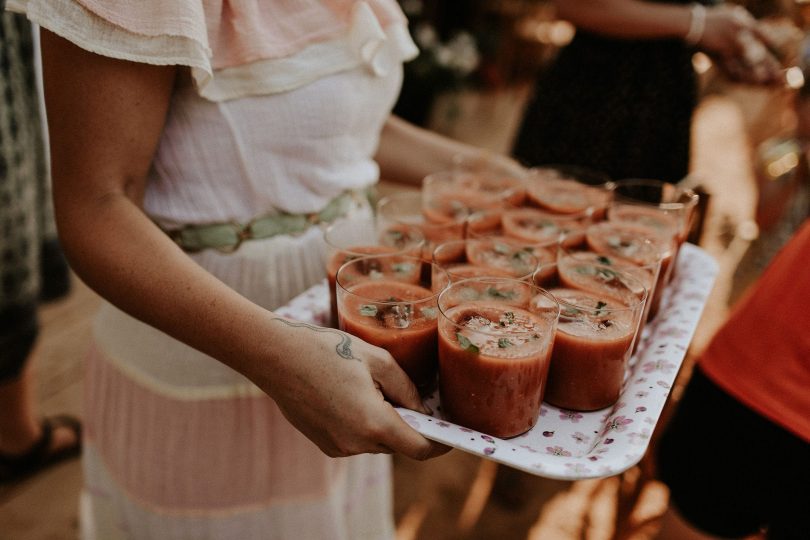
20	425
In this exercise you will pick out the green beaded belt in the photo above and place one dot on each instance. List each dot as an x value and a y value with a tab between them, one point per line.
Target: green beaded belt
227	237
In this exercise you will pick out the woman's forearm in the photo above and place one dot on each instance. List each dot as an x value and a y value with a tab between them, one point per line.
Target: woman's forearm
629	19
408	153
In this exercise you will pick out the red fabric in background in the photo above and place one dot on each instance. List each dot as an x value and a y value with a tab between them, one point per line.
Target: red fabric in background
761	355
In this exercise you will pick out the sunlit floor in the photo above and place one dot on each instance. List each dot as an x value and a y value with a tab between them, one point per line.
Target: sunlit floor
460	495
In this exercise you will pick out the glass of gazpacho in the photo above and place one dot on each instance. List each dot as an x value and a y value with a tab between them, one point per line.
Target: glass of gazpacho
533	225
645	201
382	300
495	342
594	342
453	196
638	245
349	239
562	189
485	256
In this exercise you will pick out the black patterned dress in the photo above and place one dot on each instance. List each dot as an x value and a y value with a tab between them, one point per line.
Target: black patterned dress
31	265
620	106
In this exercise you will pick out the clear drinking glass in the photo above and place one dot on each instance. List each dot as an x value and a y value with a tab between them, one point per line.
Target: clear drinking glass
349	239
487	256
599	324
495	341
382	300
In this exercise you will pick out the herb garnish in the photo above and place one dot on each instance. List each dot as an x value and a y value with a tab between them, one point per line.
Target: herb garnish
504	343
495	293
368	310
465	343
428	312
402	268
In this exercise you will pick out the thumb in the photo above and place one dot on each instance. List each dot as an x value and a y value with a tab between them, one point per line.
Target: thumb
396	386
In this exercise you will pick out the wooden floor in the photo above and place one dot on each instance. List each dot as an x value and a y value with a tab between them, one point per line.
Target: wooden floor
449	497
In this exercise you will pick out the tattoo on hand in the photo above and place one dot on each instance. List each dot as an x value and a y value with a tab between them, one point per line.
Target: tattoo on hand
343	349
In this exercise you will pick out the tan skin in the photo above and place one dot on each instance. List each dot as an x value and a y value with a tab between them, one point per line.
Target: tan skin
639	19
105	118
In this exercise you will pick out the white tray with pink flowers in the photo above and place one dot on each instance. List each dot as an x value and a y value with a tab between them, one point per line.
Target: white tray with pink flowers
572	445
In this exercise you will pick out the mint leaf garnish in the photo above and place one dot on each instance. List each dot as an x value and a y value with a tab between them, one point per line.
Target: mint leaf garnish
368	310
465	343
402	268
504	343
495	293
428	312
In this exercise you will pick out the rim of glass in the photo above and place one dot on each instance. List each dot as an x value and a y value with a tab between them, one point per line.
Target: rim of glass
571	251
462	282
665	250
584	214
574	172
374	243
692	196
417	262
481	240
637	305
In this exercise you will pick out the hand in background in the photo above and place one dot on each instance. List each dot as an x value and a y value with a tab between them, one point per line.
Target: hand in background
740	46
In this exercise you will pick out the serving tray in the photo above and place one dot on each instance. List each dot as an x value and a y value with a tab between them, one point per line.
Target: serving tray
571	445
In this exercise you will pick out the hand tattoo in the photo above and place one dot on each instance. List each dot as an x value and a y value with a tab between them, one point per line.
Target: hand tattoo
343	349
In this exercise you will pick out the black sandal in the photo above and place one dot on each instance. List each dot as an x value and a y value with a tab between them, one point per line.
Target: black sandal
14	468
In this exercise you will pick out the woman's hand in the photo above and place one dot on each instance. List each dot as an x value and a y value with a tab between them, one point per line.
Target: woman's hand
734	39
336	389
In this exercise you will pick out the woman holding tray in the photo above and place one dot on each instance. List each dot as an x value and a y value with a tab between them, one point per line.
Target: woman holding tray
198	149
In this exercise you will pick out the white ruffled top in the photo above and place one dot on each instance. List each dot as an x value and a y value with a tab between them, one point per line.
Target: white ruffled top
285	101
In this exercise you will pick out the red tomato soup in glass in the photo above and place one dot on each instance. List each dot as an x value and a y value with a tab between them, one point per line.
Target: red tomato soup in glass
399	316
493	361
637	245
593	343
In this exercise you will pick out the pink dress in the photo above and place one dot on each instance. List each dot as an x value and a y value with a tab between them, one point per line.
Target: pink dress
281	110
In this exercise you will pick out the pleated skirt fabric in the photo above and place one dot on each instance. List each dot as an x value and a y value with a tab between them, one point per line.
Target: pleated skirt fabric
179	446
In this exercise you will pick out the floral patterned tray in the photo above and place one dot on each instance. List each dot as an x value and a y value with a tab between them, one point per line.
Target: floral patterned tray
570	445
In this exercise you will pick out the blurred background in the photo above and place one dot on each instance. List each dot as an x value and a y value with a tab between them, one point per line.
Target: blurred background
475	73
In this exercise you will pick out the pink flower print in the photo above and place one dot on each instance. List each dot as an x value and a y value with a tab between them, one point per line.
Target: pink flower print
580	438
543	411
466	430
548	434
639	438
617	424
577	468
620	405
529	448
693	296
570	415
558	451
641	409
443	424
658	365
488	439
641	380
489	451
671	331
664	384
